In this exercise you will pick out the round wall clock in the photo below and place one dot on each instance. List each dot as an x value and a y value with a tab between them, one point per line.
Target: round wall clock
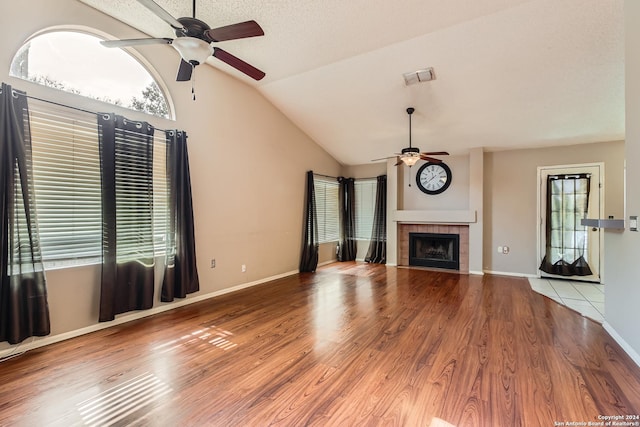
433	178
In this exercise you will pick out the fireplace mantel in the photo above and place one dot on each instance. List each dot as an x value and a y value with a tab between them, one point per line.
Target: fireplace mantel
434	217
462	206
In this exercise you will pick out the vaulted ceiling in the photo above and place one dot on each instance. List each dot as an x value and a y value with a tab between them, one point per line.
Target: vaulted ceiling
509	73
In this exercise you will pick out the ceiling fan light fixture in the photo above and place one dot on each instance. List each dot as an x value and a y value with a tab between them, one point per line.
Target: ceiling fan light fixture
192	49
410	159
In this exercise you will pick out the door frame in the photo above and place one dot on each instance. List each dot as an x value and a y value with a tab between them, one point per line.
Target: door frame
540	215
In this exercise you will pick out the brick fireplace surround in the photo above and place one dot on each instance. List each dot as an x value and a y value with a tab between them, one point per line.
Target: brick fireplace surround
462	230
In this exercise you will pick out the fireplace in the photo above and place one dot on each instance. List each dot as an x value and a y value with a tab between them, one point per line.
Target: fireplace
437	250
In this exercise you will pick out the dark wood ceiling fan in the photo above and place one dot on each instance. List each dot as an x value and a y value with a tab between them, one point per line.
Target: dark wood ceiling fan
410	155
195	41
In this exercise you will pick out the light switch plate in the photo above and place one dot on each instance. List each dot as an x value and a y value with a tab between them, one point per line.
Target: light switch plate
633	223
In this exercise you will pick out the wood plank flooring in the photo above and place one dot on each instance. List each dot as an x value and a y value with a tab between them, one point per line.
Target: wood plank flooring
351	345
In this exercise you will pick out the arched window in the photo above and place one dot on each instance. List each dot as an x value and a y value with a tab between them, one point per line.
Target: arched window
76	62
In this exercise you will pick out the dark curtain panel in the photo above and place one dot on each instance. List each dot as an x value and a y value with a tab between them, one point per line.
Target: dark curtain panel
347	205
24	311
180	271
126	159
309	256
378	246
566	238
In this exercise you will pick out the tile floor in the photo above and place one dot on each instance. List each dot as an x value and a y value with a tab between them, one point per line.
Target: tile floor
585	298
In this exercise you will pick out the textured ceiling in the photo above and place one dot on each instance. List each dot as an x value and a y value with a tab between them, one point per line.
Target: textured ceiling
510	73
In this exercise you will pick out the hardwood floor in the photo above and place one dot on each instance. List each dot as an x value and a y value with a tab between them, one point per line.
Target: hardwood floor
353	344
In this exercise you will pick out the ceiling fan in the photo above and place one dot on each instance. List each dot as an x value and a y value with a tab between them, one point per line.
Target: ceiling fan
410	155
194	41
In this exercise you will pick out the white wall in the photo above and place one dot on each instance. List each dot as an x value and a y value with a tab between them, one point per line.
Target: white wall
622	290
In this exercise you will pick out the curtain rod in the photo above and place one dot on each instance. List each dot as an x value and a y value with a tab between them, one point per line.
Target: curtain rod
335	177
325	176
73	108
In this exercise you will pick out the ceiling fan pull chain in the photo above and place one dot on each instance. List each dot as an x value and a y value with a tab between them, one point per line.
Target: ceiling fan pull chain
193	83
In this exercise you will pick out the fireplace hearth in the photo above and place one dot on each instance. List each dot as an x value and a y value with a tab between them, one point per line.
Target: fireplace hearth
436	250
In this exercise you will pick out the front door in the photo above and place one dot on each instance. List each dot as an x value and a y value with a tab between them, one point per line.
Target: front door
593	236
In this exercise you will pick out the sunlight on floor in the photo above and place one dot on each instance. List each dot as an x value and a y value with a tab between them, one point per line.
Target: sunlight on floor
585	298
217	337
113	405
437	422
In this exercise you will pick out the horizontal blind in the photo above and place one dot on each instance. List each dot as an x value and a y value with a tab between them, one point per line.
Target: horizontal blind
326	197
67	183
134	196
160	194
365	203
66	168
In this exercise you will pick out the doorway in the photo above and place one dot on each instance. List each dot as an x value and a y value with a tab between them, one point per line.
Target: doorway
575	240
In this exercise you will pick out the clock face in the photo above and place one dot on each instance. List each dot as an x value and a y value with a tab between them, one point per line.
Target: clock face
433	178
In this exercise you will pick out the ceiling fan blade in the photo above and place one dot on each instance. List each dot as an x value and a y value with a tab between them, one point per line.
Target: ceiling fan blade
162	14
384	158
241	30
238	64
430	159
134	42
436	153
184	71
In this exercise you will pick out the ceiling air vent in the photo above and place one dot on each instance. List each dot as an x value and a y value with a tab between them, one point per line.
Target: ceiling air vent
419	76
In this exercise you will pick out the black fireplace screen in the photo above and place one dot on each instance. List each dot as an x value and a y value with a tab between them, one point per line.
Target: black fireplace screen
434	250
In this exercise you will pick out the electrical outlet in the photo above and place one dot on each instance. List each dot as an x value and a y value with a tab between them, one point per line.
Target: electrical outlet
213	263
244	268
505	249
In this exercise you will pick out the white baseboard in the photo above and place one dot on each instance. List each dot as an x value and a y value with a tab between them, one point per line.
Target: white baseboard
509	273
625	346
477	273
52	339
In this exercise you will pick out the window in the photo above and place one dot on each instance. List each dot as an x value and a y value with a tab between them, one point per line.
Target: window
566	246
326	195
365	207
66	169
67	182
76	62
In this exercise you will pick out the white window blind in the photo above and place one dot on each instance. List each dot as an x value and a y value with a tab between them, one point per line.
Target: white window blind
67	182
134	196
326	196
365	195
66	168
160	194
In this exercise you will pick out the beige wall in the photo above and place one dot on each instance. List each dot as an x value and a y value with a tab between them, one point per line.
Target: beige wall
369	170
622	289
455	198
510	200
247	211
